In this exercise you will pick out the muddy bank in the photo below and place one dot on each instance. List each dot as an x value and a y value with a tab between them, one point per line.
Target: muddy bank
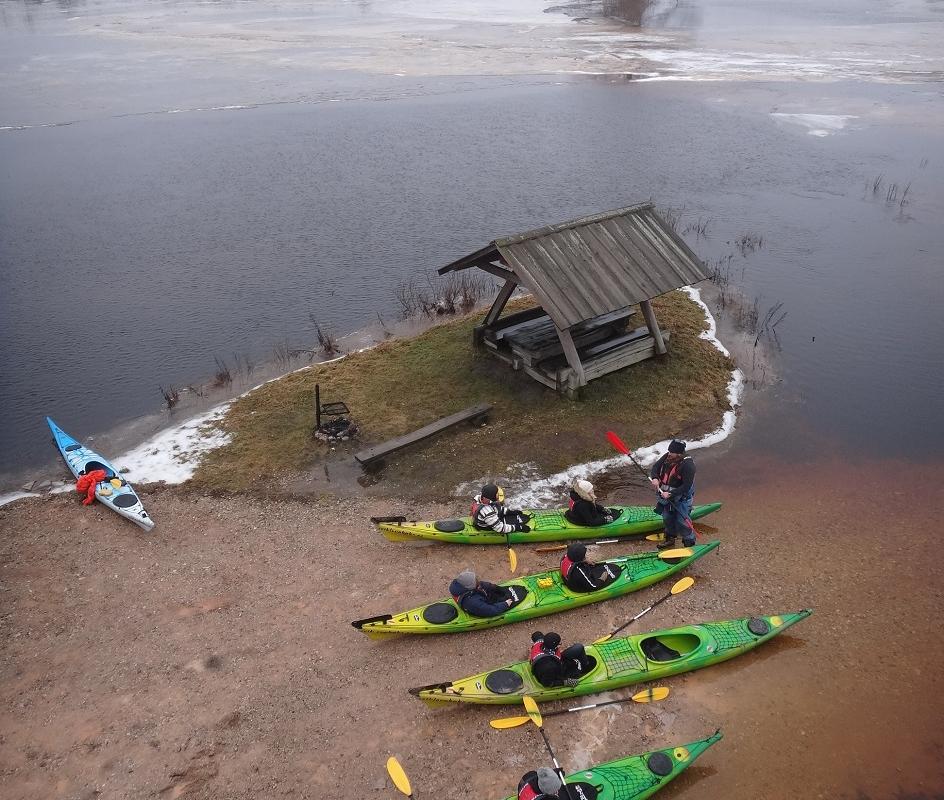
215	658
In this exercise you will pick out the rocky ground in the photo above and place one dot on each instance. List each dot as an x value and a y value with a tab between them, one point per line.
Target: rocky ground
214	658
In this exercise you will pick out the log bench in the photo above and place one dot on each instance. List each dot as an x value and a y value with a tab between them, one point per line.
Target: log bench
373	456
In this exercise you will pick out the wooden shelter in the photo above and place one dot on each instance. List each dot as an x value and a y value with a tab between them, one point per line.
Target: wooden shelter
586	275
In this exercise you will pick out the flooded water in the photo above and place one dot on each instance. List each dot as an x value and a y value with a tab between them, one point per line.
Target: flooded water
215	179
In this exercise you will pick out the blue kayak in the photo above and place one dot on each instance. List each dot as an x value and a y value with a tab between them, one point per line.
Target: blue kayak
115	492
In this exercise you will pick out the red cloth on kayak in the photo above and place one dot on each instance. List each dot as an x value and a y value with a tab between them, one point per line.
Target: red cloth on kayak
87	484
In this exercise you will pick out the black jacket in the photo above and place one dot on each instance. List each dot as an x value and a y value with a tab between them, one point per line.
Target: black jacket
680	485
586	513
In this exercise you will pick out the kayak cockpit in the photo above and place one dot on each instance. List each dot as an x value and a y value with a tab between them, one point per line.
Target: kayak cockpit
669	647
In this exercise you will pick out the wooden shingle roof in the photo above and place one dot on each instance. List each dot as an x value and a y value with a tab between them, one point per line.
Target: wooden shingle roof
581	269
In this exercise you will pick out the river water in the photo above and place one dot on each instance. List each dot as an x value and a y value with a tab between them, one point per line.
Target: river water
184	181
190	181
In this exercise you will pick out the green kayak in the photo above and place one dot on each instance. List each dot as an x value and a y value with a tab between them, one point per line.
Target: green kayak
542	593
635	777
547	525
620	662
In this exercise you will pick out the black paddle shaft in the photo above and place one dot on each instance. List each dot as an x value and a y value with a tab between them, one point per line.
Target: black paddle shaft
557	766
641	613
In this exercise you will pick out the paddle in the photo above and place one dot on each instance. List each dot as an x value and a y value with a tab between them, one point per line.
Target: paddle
552	548
512	555
621	447
679	587
645	696
398	776
534	714
681	552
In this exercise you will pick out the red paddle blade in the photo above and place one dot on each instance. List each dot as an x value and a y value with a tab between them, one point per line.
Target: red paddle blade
617	443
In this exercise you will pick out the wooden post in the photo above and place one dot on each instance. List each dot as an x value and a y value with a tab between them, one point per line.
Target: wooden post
495	311
570	350
653	325
317	407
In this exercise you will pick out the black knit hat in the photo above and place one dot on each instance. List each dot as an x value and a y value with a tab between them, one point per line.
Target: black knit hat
576	551
490	491
551	640
675	446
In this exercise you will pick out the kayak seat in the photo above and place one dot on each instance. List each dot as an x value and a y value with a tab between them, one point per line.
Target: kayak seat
449	525
519	592
503	681
582	789
440	613
656	651
91	466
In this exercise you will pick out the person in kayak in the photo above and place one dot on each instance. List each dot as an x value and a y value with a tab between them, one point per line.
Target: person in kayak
581	575
584	509
489	512
539	784
480	598
552	667
673	475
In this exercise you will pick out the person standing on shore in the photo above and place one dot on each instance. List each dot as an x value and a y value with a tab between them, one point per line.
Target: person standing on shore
673	476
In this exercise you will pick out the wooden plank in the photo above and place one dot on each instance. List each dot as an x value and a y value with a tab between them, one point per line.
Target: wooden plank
609	344
553	347
500	329
386	448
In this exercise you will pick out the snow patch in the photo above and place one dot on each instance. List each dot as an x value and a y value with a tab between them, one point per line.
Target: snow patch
11	496
172	455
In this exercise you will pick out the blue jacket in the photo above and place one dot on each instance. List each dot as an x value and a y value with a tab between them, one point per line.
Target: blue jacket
487	600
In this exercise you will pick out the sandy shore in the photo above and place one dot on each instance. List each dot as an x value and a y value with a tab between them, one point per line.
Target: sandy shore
215	658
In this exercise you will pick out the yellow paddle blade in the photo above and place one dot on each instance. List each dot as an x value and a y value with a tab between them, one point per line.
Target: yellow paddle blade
509	722
655	537
400	780
512	559
115	482
651	695
603	639
686	583
682	552
533	711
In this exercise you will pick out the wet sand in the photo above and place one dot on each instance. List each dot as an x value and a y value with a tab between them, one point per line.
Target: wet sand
215	658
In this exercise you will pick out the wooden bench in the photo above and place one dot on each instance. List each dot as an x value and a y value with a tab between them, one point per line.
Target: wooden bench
374	455
540	342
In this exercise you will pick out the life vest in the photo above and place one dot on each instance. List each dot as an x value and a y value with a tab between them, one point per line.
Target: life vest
566	566
88	483
666	476
528	792
538	652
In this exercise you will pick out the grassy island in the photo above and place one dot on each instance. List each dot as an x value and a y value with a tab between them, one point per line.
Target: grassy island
403	384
